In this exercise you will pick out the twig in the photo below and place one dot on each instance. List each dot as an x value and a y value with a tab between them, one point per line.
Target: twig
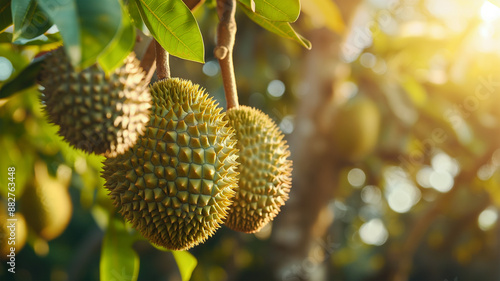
226	32
148	61
162	62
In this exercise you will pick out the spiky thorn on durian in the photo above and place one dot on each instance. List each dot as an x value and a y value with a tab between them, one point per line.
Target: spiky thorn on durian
265	171
177	183
96	113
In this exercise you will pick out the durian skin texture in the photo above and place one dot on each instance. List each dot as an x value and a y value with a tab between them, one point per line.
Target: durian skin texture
265	171
96	113
177	183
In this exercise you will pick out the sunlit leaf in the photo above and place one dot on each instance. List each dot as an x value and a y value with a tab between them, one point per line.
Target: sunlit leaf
5	14
29	20
135	16
118	260
324	13
24	80
120	47
186	263
283	29
275	10
173	25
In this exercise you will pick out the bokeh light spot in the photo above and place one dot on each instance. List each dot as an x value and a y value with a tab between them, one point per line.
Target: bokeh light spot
211	68
6	68
371	194
276	88
487	218
356	177
441	181
373	232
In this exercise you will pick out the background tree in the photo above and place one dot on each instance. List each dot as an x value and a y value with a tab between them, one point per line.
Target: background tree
420	202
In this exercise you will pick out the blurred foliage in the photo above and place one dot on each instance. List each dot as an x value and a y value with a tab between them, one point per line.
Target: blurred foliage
427	194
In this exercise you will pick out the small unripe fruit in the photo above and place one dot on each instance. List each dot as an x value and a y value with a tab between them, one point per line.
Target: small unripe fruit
265	171
175	185
96	113
47	204
13	232
356	127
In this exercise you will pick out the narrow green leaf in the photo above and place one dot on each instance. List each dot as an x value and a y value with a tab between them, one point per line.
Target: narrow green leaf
5	14
275	10
118	260
186	263
29	20
24	80
66	18
41	40
123	43
283	29
173	25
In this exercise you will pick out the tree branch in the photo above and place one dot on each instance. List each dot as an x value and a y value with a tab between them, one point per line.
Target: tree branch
226	32
162	62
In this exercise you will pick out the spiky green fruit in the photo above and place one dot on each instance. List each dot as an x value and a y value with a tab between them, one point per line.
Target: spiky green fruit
176	184
96	113
265	171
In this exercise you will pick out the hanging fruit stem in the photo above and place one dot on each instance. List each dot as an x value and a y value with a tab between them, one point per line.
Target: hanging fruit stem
162	62
148	61
226	32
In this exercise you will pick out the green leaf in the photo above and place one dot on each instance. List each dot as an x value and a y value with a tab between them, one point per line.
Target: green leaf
66	18
325	13
24	80
97	34
118	260
186	263
275	10
86	26
120	47
5	14
135	15
283	29
173	25
29	20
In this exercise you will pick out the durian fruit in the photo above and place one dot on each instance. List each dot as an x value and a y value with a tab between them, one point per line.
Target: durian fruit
356	127
176	184
47	203
21	232
96	113
265	171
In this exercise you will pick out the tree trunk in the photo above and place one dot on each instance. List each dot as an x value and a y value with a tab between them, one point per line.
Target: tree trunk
299	242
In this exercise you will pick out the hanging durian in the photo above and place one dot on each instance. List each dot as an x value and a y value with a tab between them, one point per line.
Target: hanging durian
265	171
176	184
96	113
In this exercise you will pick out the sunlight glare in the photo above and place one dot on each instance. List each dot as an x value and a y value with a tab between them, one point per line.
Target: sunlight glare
489	11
